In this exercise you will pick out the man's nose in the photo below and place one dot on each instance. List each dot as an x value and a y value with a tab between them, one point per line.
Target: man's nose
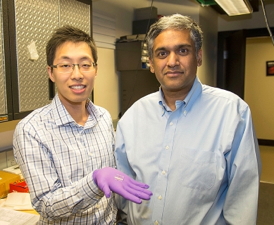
173	60
76	73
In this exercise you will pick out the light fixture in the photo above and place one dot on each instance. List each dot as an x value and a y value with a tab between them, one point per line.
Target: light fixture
235	7
206	2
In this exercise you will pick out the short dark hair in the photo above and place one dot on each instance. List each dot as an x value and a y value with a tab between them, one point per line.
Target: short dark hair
176	22
68	33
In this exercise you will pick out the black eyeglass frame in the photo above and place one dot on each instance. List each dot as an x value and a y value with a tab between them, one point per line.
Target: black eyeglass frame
94	64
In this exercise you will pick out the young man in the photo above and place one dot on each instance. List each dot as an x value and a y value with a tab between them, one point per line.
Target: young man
193	144
65	149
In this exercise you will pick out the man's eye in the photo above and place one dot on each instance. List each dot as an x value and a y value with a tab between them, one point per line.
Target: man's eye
85	66
64	65
183	51
162	54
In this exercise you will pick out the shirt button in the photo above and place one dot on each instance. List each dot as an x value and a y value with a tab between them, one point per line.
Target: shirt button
160	197
170	123
164	172
167	147
156	222
185	112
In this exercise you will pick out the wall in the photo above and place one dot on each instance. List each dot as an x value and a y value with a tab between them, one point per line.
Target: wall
207	72
106	89
258	94
6	132
259	87
267	157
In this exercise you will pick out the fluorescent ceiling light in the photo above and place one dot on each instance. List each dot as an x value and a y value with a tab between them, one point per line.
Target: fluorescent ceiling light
206	2
235	7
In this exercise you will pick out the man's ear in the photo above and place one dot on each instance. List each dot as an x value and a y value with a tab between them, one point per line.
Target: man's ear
151	66
96	71
50	73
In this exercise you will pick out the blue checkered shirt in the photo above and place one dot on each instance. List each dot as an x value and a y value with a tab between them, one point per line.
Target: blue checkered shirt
57	158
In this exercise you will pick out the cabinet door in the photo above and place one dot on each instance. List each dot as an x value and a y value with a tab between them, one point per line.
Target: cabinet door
3	94
135	84
32	22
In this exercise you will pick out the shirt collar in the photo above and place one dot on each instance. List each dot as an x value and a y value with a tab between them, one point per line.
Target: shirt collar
194	92
187	103
94	114
62	116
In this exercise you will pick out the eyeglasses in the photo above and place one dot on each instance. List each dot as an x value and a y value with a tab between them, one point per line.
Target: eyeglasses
69	67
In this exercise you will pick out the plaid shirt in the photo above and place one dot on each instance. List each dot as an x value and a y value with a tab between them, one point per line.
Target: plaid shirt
57	158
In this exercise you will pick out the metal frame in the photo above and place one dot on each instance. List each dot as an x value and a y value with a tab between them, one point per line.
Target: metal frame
11	63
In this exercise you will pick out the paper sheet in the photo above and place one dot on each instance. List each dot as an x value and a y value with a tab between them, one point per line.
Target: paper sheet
33	51
18	201
12	217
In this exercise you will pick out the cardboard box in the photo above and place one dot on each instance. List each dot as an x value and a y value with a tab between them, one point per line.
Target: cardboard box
14	169
6	179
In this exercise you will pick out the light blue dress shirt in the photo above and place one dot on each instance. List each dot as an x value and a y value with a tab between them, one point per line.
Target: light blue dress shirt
201	160
57	157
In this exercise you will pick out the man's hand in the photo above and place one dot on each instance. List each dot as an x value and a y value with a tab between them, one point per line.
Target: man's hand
109	179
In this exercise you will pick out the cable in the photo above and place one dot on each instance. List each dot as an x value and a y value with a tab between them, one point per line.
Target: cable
149	17
266	21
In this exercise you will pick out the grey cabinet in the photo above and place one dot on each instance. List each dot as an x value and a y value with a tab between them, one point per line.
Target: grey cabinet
25	83
135	78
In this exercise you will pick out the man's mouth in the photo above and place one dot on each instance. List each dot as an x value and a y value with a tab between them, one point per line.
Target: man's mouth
174	72
77	87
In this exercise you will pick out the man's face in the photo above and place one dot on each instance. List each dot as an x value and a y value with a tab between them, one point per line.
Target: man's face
174	61
73	88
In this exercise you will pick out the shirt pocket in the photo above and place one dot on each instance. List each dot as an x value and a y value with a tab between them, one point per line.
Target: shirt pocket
198	169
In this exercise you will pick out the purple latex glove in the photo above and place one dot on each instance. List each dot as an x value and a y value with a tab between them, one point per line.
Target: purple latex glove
109	179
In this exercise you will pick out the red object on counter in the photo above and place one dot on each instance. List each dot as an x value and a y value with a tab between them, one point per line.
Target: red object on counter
19	186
